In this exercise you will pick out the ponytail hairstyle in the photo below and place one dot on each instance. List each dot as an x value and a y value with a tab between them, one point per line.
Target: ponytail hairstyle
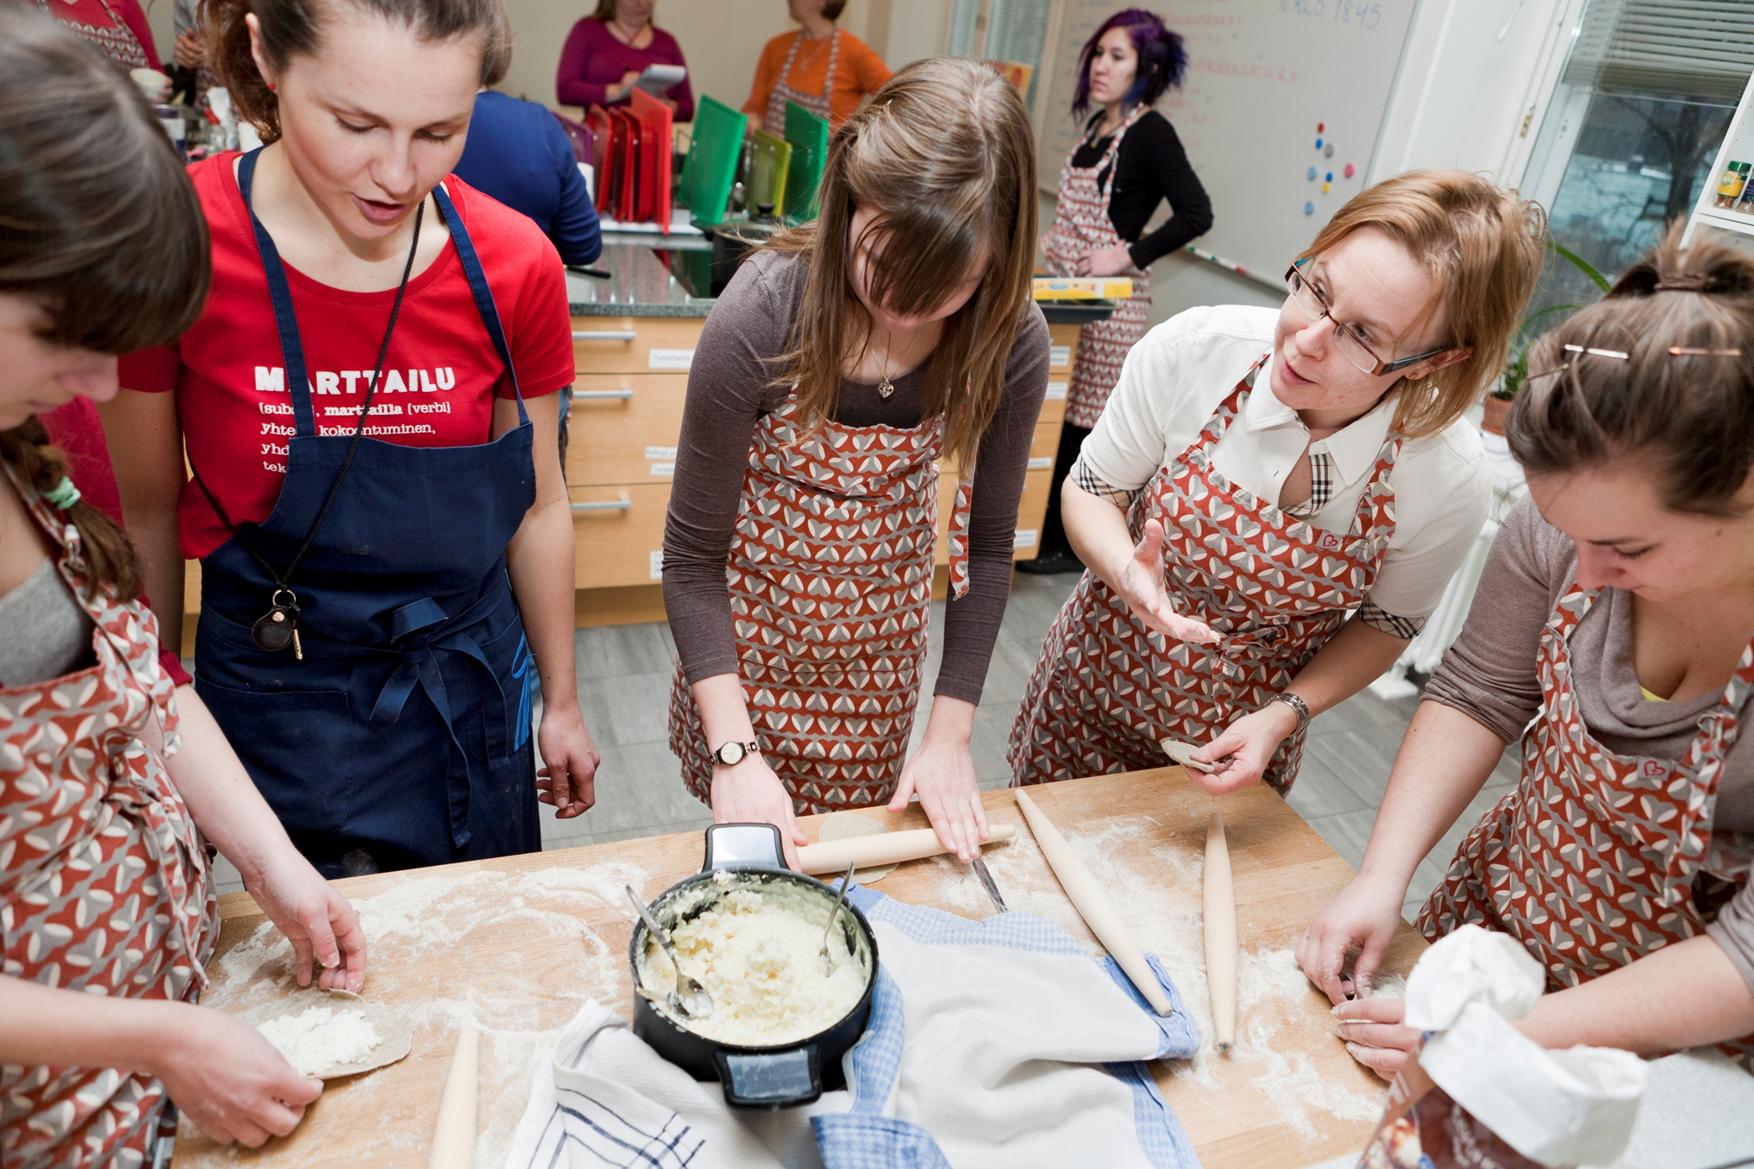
293	28
99	228
944	158
1659	373
1162	58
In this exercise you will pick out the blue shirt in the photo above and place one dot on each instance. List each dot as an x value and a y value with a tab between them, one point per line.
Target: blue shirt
517	153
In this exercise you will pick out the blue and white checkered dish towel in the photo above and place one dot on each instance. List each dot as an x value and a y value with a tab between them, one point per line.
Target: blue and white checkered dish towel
991	1043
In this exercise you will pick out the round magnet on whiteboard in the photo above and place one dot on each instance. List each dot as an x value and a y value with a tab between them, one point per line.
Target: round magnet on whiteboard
1350	170
1309	208
1312	174
1324	188
1320	126
1328	151
1318	143
1328	178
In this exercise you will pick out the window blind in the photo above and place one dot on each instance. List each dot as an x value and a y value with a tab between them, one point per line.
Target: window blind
1693	48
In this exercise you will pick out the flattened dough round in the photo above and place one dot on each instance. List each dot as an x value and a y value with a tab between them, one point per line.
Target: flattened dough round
850	824
305	1008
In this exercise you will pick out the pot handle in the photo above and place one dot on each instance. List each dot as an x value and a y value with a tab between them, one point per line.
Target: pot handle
773	1080
743	846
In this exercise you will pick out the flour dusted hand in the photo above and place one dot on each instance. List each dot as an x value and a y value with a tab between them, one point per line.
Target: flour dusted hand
230	1081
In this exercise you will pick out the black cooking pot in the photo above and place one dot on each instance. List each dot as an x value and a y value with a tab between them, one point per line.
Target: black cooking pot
754	1077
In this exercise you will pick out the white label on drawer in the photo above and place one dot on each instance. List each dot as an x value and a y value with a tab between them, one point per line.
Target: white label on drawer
663	470
1056	391
1025	538
669	358
1041	463
660	452
1059	355
658	565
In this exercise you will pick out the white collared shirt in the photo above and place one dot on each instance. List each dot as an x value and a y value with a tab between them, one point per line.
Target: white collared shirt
1179	373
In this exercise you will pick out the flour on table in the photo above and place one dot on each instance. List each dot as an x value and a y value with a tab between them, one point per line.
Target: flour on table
317	1040
849	825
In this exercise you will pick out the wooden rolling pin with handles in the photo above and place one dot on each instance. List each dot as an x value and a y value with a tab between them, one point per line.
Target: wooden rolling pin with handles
1087	896
453	1137
883	848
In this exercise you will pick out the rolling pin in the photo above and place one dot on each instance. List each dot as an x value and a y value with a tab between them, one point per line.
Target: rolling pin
1093	905
1220	917
882	848
453	1137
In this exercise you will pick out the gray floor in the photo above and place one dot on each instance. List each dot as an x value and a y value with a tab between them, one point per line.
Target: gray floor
624	682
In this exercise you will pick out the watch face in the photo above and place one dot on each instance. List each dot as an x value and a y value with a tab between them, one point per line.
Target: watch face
731	754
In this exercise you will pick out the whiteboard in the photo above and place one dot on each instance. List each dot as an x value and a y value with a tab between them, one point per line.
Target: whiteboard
1266	81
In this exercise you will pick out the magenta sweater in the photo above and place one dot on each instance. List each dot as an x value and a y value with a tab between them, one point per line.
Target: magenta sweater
593	60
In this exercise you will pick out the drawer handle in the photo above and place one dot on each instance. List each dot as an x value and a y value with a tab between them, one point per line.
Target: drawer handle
621	395
603	334
622	504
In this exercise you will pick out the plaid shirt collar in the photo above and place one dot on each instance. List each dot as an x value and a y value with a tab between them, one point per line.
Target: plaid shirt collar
1353	449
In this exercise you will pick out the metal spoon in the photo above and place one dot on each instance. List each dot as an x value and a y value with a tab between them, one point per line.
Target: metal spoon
690	997
823	956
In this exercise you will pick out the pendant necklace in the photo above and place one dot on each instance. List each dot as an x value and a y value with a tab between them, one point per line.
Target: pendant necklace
885	384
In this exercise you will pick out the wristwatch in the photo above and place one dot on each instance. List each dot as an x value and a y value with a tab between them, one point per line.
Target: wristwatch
1298	705
733	753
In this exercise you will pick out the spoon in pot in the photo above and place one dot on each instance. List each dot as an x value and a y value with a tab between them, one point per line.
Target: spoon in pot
690	997
823	956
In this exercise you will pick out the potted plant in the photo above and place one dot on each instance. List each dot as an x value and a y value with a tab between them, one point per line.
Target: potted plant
1516	371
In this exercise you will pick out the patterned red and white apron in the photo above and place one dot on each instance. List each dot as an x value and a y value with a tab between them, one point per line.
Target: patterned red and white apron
830	579
775	120
115	40
103	878
1081	226
1597	859
1107	688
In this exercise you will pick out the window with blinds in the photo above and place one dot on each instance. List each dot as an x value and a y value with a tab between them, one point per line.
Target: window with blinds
1010	31
1645	96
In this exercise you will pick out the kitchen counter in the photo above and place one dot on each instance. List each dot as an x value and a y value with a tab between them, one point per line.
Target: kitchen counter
516	946
643	283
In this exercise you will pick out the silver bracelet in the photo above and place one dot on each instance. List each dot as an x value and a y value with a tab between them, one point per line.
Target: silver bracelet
1298	705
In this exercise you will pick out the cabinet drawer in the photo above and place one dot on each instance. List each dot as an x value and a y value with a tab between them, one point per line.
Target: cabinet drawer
634	344
618	534
622	428
1064	341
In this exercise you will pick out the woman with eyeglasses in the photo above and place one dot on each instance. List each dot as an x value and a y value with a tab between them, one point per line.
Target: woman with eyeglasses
1613	635
1273	500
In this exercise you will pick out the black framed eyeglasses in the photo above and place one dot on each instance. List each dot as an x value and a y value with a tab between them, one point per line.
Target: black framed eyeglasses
1348	338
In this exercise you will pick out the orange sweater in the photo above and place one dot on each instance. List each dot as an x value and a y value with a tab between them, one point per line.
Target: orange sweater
858	70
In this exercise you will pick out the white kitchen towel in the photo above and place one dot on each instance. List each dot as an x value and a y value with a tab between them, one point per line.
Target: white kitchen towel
991	1043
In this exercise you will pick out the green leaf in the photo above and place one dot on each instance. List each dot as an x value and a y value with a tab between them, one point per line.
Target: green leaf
1581	264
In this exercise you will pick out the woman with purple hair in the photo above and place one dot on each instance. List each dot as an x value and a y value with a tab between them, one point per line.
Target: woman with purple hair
1128	160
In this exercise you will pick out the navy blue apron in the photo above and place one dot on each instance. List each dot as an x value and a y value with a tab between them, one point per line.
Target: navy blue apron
403	737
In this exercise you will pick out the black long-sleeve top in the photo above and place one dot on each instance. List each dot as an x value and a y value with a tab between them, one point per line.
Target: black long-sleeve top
1152	166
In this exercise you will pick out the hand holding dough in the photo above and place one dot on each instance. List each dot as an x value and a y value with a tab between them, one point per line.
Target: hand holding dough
1093	905
1183	753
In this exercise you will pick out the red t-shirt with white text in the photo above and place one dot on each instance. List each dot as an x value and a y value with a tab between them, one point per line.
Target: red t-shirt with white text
440	375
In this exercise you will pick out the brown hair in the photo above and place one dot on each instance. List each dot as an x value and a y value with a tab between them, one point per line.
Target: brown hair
1481	244
292	28
110	274
1689	416
944	158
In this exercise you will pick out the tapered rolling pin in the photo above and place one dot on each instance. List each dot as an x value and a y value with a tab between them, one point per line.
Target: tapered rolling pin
1093	905
453	1137
882	848
1220	915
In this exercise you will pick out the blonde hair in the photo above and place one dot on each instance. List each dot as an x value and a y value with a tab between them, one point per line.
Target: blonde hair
1688	416
944	159
1481	244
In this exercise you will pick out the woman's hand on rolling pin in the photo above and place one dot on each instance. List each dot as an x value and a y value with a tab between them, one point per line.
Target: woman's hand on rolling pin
1363	917
1240	755
748	792
1374	1033
1140	583
225	1077
314	916
942	774
567	778
1105	261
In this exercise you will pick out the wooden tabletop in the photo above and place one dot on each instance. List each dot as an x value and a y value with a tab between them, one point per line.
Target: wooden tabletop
517	944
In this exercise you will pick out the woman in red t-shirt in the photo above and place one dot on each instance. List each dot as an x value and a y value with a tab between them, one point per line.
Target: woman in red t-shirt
370	412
